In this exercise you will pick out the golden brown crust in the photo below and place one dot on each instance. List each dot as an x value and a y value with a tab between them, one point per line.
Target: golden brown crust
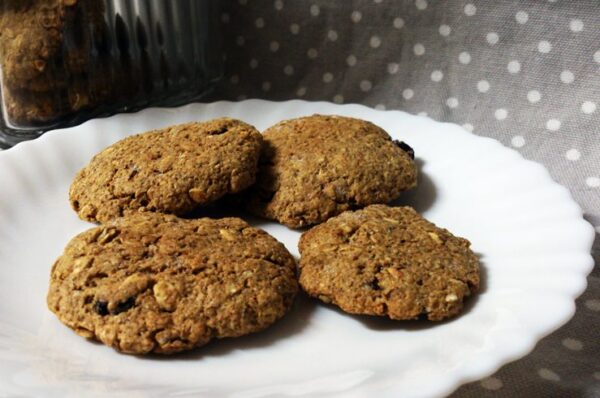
388	261
172	170
156	283
315	167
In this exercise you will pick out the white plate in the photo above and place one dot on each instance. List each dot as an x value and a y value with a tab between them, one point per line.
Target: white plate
533	242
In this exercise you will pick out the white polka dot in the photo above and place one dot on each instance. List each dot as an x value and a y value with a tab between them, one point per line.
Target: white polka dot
593	182
408	93
596	375
327	77
597	56
301	91
266	86
351	60
374	41
522	17
393	68
278	5
421	4
423	114
468	126
338	98
501	114
225	17
274	46
240	40
356	16
573	154
235	79
588	107
483	86
547	374
332	35
315	10
445	30
576	25
470	10
259	23
464	57
437	75
517	141
566	76
312	53
544	46
553	124
492	38
492	383
253	63
399	23
534	96
419	49
514	66
573	344
380	107
295	28
288	70
593	304
365	85
452	102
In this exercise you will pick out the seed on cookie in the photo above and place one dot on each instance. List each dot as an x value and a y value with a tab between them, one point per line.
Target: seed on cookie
172	170
164	284
313	168
388	261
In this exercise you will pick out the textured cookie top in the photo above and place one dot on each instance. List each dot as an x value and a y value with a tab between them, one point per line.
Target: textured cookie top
388	261
172	170
155	283
315	167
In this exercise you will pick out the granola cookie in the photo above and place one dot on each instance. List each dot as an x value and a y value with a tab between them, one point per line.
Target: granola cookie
172	170
388	261
157	283
313	168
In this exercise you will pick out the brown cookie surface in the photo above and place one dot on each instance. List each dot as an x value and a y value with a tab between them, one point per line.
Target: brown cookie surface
157	283
315	167
388	261
172	170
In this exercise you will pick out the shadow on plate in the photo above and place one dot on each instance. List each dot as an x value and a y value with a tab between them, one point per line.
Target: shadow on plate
423	196
292	323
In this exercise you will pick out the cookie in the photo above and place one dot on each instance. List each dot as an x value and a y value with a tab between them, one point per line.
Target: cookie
388	261
157	283
313	168
172	170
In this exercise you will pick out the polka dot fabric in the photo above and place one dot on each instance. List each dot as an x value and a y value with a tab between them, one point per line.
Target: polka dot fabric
526	73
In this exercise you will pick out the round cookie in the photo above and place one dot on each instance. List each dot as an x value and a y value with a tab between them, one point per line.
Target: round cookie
388	261
172	170
155	283
313	168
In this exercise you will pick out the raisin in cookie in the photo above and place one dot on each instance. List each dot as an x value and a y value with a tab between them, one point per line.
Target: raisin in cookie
157	283
388	261
172	170
315	167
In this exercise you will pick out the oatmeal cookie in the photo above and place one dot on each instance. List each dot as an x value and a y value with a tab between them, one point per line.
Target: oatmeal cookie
157	283
313	168
388	261
172	170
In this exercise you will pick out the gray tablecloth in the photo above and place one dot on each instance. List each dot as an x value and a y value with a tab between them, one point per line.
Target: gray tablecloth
524	72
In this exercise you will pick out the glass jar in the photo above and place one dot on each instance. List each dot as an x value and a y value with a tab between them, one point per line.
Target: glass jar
65	61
